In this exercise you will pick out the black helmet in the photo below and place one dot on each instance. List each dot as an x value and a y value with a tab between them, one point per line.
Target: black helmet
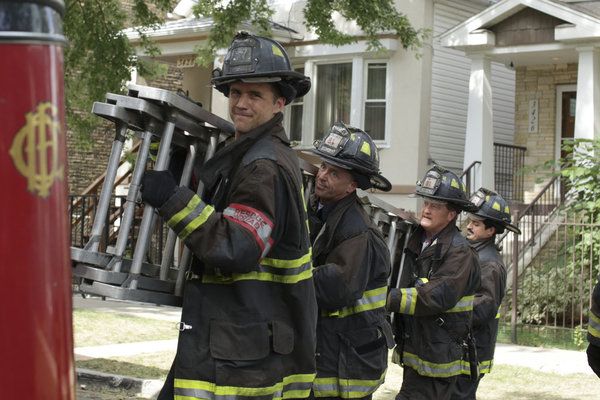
352	149
493	207
258	59
442	184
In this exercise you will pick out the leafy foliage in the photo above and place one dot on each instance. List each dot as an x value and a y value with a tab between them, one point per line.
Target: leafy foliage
555	288
98	56
372	16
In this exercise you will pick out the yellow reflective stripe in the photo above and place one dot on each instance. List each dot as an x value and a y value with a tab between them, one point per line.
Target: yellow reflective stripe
184	212
464	304
290	387
268	272
498	315
436	370
257	276
277	263
594	325
346	388
197	222
408	300
485	367
371	300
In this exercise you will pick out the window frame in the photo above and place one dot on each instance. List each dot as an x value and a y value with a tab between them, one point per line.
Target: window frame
359	82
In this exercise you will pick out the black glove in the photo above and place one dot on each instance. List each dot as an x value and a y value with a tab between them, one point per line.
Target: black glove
157	187
593	355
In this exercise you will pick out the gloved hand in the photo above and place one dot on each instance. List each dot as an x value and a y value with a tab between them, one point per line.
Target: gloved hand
593	355
393	300
157	187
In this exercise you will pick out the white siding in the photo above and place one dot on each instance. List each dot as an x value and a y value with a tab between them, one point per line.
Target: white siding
450	85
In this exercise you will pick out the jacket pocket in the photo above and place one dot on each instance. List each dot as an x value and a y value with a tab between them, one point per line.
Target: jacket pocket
229	341
363	353
283	338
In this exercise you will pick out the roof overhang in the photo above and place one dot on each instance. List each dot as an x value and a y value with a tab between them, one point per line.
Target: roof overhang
182	36
472	36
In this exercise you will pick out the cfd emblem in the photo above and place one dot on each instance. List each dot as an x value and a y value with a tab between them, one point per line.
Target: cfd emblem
35	150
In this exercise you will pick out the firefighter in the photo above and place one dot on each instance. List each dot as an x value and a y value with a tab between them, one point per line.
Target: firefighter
492	218
249	309
593	350
435	302
352	265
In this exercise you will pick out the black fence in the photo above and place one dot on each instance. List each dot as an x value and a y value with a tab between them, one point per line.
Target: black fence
508	174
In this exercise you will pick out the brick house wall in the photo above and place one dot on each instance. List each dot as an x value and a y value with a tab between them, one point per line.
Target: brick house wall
539	82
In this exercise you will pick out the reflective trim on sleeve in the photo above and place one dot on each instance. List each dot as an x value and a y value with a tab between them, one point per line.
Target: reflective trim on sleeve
435	370
498	315
463	305
594	325
346	388
370	300
270	270
408	300
485	367
191	217
253	221
292	386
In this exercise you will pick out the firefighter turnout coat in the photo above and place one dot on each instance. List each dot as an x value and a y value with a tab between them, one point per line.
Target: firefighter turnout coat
249	311
487	302
352	265
435	309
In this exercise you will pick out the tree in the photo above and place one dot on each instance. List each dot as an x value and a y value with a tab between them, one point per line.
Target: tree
99	58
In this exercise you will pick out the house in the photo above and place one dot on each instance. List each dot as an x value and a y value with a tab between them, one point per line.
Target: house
553	47
413	104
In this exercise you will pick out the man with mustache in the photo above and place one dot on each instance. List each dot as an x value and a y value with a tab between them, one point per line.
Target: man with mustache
492	218
249	309
352	265
434	303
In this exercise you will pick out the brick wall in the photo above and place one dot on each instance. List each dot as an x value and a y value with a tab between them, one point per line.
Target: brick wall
539	82
86	163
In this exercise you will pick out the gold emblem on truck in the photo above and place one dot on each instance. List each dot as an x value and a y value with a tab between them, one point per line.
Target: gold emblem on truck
35	150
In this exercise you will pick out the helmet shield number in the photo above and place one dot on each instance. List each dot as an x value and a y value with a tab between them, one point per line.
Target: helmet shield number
431	183
478	198
333	144
241	60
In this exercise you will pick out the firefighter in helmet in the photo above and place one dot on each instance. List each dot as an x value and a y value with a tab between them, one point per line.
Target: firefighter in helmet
491	218
434	304
249	308
352	265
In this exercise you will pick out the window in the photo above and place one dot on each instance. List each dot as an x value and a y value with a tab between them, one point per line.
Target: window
352	91
375	101
333	96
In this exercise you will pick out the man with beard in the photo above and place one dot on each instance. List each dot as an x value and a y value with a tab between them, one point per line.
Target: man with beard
491	218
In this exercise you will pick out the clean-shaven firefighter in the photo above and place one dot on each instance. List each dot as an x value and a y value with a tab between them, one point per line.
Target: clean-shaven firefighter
492	218
434	305
249	309
352	265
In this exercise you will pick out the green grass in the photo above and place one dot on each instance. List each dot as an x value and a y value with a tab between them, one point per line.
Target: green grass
147	366
513	383
545	336
96	327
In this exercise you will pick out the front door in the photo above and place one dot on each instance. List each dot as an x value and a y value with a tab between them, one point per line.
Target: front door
569	99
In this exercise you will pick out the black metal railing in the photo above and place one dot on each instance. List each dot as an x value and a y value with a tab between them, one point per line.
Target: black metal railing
509	161
82	211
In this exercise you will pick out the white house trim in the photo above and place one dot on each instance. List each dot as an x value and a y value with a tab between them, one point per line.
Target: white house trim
560	89
587	117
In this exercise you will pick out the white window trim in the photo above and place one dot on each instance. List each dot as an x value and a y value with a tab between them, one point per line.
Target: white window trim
358	93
